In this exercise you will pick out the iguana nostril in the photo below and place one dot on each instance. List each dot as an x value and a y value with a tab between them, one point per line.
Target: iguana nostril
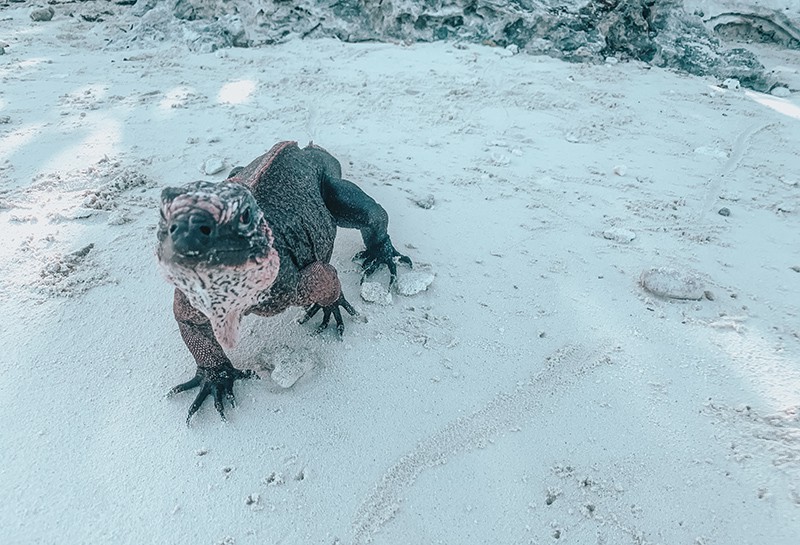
205	229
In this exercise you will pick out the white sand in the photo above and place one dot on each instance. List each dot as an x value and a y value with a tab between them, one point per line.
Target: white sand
534	393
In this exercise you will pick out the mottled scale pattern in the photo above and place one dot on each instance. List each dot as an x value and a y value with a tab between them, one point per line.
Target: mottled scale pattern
223	294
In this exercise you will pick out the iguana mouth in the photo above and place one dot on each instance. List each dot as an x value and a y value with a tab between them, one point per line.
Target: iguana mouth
236	256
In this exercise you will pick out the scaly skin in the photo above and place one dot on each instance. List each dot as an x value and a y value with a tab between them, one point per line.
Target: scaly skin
259	243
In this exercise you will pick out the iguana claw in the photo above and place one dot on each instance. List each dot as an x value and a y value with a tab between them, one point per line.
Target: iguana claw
213	381
326	314
383	254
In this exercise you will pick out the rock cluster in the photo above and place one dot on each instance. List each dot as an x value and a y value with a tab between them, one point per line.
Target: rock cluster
659	32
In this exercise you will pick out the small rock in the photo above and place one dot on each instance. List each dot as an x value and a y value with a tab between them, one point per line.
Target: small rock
213	165
80	213
4	119
40	14
673	284
287	373
796	268
374	292
552	495
711	152
252	499
620	170
724	211
612	60
781	92
426	202
618	234
274	479
731	83
118	217
512	48
413	282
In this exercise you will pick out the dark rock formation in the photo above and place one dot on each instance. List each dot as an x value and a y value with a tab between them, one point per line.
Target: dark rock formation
659	32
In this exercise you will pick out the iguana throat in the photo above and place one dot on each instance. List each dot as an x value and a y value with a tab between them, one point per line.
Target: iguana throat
224	293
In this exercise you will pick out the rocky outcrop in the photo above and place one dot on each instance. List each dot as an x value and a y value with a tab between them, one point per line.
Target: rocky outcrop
659	32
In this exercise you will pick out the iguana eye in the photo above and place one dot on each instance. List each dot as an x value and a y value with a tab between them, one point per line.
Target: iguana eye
244	219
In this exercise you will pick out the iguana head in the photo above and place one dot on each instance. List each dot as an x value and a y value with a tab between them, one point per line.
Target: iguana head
215	245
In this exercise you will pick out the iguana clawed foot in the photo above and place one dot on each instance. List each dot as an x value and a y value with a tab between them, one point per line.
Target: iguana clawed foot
326	314
213	381
381	254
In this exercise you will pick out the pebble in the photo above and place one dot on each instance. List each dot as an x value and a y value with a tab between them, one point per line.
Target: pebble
724	211
731	83
612	60
427	202
512	48
618	234
213	165
80	213
374	292
673	284
118	217
286	373
40	14
413	282
711	152
620	170
781	92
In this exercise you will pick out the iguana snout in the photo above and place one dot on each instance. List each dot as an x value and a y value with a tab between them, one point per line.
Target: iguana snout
192	233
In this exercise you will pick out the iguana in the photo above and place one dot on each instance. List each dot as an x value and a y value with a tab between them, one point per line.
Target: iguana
259	243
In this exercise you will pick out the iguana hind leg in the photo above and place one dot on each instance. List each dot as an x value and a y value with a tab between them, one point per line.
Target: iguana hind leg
352	208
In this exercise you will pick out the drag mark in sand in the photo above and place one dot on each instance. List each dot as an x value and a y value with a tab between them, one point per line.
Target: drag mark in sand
505	412
738	150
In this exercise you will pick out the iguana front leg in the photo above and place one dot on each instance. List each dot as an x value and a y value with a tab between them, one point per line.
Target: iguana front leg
319	289
215	373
